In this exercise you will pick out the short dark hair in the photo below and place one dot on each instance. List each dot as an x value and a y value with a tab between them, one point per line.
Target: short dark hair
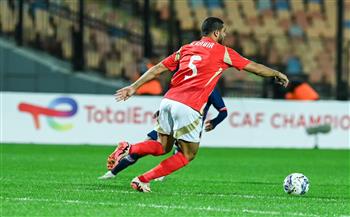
211	24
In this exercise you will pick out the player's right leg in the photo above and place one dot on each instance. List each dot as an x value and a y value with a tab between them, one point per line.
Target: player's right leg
167	142
176	149
175	162
189	149
187	130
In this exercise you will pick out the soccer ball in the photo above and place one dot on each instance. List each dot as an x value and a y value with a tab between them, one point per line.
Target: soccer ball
296	183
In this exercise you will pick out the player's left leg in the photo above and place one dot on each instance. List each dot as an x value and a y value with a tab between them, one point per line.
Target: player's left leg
165	139
132	158
117	155
128	160
129	154
111	160
149	147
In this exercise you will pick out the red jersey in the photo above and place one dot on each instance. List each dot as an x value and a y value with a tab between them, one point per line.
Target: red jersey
200	65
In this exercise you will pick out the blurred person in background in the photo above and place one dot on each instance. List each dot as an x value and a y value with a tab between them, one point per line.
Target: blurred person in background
301	90
293	64
152	87
295	30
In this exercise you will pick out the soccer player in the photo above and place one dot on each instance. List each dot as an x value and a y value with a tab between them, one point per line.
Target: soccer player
200	64
215	99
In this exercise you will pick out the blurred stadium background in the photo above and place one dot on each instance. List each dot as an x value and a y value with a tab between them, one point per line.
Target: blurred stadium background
112	42
61	61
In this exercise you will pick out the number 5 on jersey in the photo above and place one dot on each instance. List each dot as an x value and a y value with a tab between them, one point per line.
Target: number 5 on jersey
192	66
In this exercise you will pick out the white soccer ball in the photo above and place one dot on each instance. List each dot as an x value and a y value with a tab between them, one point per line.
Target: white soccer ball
296	183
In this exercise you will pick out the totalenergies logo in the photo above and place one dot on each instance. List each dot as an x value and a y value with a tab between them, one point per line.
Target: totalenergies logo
51	112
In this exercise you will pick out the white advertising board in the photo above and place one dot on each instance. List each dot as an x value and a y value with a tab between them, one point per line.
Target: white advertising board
98	119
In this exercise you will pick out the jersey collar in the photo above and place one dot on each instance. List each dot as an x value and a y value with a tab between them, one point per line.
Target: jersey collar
206	38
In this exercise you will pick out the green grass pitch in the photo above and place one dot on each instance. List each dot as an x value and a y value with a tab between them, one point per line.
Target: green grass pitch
39	180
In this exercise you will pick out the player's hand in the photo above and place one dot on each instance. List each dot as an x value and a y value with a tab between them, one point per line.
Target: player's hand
208	126
282	79
124	93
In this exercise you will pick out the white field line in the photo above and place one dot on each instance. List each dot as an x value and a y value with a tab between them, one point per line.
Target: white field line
212	194
161	206
209	194
247	196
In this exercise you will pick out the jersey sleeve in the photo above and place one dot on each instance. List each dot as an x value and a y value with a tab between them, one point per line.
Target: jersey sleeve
172	61
217	101
234	59
219	105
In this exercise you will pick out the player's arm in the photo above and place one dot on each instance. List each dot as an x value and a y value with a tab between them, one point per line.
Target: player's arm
265	71
217	101
211	124
168	64
126	92
151	74
232	58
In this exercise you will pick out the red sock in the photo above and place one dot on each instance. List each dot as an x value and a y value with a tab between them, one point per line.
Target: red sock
147	147
166	167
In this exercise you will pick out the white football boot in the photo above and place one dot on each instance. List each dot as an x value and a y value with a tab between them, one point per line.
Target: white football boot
107	175
140	186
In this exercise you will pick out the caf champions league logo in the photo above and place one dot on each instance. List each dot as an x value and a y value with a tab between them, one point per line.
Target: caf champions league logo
51	112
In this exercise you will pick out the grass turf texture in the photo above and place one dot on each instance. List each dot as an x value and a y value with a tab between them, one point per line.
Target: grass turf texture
39	180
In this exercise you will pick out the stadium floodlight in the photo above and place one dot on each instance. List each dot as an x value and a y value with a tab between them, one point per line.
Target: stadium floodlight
316	130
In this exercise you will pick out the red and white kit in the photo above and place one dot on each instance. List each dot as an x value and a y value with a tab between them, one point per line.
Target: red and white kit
199	66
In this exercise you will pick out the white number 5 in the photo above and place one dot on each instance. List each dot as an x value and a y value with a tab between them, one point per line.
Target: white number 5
192	66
